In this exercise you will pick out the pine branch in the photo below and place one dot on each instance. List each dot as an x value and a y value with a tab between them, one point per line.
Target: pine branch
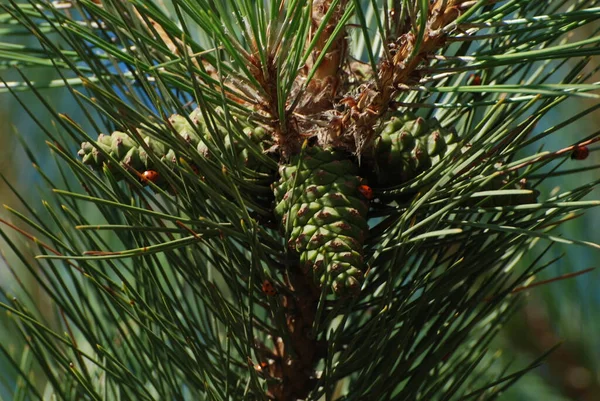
293	200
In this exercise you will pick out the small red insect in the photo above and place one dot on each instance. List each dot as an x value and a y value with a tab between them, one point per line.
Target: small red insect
268	288
261	369
150	175
474	79
580	153
366	191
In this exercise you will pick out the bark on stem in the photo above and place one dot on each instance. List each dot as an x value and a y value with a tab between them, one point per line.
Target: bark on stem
291	371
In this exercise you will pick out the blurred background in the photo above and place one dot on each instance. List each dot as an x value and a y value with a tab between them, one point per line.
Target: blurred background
563	312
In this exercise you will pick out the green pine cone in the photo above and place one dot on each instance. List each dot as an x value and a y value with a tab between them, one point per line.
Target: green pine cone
324	215
243	157
126	150
409	145
122	147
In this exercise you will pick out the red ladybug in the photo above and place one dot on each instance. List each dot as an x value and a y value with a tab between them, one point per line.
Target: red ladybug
268	288
580	153
150	175
366	191
474	80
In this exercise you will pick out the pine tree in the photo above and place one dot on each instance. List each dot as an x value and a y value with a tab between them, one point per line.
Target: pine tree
294	200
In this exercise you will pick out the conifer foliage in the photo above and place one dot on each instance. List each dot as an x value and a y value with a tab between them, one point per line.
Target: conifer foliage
304	200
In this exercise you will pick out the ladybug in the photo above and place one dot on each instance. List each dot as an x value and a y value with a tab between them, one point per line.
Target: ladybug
268	288
474	80
366	191
580	153
150	175
261	369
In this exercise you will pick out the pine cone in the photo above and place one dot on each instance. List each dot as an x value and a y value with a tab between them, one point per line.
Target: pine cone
126	150
324	215
409	145
244	157
121	146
